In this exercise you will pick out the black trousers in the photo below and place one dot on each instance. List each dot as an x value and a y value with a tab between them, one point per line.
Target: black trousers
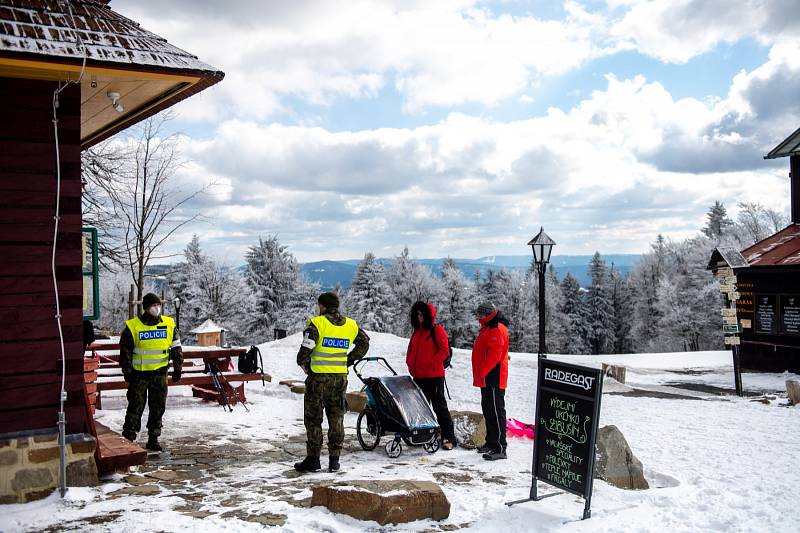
433	389
493	404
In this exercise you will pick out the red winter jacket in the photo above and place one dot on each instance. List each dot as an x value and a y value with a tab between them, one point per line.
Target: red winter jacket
490	351
423	358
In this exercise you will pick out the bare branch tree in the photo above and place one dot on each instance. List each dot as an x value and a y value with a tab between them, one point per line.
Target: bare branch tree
147	204
100	166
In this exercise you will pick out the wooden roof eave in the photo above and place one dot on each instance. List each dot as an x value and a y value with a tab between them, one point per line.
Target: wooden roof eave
188	83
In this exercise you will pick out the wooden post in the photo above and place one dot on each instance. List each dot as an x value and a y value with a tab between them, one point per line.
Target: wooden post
614	371
130	302
737	372
793	389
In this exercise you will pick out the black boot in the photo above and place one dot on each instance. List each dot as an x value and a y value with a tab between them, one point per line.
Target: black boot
484	449
333	463
495	455
153	445
309	464
130	436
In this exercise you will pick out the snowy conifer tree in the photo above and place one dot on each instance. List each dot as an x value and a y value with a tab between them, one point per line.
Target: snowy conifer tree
272	274
410	282
209	291
718	224
370	301
598	308
621	308
456	305
573	311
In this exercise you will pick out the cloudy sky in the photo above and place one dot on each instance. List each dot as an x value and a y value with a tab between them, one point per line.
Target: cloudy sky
458	127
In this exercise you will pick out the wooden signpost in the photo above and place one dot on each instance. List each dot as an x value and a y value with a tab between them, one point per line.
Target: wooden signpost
731	327
567	415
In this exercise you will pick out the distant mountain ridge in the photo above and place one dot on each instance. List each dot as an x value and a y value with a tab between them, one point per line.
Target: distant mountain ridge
330	273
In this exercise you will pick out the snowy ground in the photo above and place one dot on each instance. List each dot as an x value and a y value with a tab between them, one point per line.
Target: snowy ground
715	462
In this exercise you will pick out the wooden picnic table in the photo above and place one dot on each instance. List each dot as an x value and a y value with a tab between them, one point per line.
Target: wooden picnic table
108	375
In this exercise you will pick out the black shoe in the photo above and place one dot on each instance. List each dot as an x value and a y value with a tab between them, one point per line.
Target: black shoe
495	455
309	464
333	464
130	436
153	445
485	449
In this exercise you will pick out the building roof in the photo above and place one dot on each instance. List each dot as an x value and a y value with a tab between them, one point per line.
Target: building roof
726	257
207	327
39	39
789	146
780	249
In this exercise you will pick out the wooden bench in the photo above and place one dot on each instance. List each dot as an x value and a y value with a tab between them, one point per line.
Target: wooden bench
108	375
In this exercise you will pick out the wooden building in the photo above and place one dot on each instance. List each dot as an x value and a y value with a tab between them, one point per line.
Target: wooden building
127	74
767	280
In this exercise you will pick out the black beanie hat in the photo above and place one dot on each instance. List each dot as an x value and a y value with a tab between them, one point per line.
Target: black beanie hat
150	299
329	299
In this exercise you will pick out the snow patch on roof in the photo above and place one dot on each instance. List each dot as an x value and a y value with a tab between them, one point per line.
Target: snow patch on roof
209	326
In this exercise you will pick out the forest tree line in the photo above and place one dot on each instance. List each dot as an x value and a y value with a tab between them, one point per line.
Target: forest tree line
668	301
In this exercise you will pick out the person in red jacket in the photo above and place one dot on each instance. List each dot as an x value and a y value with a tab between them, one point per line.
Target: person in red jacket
490	373
427	350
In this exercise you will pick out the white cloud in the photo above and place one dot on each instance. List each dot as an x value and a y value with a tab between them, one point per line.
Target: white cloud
433	53
622	166
677	30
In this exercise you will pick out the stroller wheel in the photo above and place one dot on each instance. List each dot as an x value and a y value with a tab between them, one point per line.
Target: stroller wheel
368	429
432	446
394	448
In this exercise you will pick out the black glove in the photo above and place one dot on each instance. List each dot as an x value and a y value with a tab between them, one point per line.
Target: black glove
176	375
126	374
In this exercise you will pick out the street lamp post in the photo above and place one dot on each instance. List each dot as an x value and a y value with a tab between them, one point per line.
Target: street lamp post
542	245
177	303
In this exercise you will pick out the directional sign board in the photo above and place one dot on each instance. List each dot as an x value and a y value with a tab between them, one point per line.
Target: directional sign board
733	341
728	312
729	320
731	328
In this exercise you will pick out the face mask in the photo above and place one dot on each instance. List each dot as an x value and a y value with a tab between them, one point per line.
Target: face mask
154	310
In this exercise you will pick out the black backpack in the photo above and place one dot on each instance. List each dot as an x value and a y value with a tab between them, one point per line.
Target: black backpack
250	362
449	359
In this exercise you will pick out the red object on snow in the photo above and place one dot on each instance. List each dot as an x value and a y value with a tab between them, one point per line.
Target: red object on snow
515	428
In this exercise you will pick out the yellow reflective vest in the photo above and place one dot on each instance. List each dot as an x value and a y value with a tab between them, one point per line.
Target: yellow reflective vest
330	353
151	344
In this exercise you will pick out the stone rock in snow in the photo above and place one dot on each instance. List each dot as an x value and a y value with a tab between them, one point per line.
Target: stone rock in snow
384	501
470	428
616	464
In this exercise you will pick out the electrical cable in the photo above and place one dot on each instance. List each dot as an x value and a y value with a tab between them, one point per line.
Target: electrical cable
63	393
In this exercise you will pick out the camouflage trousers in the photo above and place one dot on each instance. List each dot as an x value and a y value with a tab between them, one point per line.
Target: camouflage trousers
324	392
145	389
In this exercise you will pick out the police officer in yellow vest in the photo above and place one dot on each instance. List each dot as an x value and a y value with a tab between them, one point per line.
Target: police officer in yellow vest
324	358
146	346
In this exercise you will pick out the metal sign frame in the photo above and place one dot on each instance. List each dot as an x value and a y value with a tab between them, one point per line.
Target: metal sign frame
538	434
94	274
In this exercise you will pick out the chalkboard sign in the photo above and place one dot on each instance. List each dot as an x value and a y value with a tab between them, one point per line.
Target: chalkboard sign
567	412
766	314
790	314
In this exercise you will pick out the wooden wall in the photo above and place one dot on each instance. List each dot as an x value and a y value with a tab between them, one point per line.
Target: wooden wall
761	351
30	354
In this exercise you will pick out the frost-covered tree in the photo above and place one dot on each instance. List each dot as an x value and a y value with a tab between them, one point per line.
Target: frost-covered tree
599	312
272	273
572	309
411	282
370	300
718	224
456	300
621	308
645	278
210	291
